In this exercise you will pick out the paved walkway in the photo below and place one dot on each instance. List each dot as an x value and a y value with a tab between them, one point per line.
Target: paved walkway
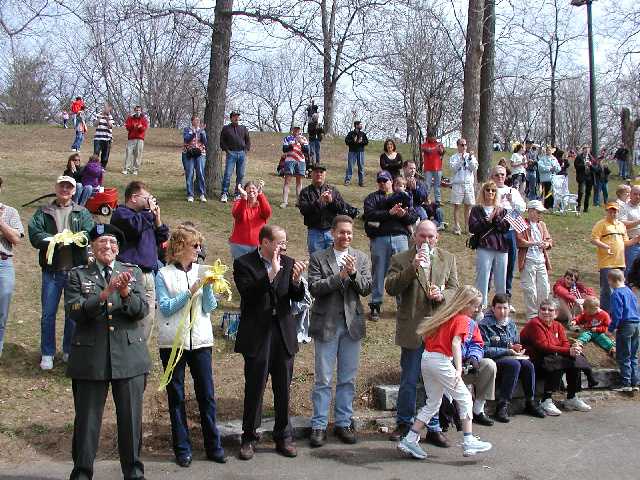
602	444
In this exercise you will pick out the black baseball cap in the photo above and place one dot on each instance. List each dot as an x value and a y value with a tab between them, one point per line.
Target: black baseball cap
318	167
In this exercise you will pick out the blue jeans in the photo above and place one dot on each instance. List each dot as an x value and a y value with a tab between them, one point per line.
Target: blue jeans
486	262
199	361
630	254
410	359
318	239
622	168
605	291
7	284
435	178
235	160
237	249
77	141
510	236
347	353
382	249
314	151
83	193
53	284
597	189
191	164
532	185
358	158
627	341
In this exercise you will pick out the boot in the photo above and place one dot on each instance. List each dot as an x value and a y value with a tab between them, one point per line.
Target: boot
502	412
374	315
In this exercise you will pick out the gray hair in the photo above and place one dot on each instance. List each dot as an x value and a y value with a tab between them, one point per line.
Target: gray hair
548	302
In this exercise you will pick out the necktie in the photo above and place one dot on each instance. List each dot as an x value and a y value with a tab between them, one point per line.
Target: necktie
107	273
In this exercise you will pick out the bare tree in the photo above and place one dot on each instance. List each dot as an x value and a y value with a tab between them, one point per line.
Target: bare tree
26	98
472	66
487	86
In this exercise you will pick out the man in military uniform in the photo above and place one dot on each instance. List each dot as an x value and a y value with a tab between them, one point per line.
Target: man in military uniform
106	299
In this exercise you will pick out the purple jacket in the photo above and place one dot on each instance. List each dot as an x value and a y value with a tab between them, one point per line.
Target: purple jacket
92	174
142	237
490	232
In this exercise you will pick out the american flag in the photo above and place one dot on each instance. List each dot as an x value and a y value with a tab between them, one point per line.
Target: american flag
516	221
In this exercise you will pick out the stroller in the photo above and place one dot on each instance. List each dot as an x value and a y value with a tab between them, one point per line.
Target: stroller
563	200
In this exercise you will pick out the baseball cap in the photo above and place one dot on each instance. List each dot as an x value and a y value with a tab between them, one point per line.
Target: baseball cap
536	205
318	167
383	175
613	205
66	178
234	113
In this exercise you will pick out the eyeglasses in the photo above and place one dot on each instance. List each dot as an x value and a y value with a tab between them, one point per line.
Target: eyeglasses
490	190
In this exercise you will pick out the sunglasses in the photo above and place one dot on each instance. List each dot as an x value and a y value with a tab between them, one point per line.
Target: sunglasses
196	246
490	190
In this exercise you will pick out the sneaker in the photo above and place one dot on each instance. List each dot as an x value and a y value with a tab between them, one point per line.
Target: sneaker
473	445
624	389
412	448
576	404
135	172
456	230
190	199
46	362
74	149
635	388
284	205
224	197
65	357
125	172
347	183
549	408
203	199
512	309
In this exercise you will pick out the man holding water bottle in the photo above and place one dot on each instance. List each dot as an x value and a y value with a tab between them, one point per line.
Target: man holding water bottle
424	277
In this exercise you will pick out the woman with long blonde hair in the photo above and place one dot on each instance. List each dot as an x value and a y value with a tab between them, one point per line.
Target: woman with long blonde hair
442	370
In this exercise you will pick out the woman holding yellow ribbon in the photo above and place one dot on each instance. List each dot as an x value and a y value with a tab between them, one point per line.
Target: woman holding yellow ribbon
185	337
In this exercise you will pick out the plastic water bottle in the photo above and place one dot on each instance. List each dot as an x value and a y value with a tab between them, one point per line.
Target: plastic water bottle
424	248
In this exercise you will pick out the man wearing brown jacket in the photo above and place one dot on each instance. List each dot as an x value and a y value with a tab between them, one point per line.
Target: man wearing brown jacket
424	277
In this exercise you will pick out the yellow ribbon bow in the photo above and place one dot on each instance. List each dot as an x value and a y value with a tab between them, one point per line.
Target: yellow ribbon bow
219	285
215	276
66	237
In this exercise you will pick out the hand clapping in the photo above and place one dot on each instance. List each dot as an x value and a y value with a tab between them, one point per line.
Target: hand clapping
298	268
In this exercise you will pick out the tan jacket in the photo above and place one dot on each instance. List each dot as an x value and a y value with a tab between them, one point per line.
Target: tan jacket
403	280
525	237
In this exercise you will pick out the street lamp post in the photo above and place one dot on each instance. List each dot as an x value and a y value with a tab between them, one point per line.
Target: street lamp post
592	76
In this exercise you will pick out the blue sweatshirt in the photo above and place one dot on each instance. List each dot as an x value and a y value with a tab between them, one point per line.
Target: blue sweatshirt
624	307
472	345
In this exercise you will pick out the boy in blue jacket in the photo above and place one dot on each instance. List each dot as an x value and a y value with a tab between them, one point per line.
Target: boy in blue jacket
625	322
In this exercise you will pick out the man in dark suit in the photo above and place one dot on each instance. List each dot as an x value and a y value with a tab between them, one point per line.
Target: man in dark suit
338	277
106	299
267	281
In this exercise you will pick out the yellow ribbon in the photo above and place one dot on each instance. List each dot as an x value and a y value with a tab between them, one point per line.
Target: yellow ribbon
219	285
66	237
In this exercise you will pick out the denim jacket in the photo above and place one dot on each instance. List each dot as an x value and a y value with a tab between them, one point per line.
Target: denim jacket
496	338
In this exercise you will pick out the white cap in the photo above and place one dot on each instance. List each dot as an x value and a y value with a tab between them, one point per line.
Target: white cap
536	205
66	178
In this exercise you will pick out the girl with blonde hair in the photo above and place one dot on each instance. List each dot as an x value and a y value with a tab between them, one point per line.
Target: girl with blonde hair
442	369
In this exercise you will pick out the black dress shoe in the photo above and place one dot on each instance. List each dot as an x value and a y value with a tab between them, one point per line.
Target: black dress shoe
438	439
217	458
502	412
184	461
400	432
482	419
534	409
286	448
346	434
247	450
318	437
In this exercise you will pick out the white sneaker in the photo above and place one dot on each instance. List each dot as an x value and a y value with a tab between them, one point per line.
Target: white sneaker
576	404
456	230
65	357
411	448
46	362
224	197
549	408
135	172
472	445
190	199
203	199
284	205
125	172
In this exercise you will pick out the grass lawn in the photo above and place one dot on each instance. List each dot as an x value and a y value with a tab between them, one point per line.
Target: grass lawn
36	408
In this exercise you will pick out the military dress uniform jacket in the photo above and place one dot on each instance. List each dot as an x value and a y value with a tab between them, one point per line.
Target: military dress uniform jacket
108	342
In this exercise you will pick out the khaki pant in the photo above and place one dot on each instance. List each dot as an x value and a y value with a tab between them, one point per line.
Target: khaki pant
483	381
150	296
534	281
133	155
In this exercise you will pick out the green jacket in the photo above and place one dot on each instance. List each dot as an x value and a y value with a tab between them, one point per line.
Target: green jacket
108	342
43	225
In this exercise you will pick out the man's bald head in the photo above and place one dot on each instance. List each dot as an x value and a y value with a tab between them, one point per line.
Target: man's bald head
426	231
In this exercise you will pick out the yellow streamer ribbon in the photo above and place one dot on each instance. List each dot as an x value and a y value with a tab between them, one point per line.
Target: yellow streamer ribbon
215	277
66	237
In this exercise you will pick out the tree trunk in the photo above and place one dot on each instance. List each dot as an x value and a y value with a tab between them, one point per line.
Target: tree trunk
487	84
216	92
552	140
329	106
472	66
629	128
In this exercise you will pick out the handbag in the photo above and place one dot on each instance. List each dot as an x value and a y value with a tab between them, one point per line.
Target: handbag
194	152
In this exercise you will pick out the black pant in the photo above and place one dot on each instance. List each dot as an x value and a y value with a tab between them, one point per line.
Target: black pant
102	147
584	190
89	397
272	358
509	371
552	381
199	361
546	195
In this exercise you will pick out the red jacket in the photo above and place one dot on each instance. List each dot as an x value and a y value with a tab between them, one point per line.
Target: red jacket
540	340
76	106
560	290
247	221
432	152
136	126
599	320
